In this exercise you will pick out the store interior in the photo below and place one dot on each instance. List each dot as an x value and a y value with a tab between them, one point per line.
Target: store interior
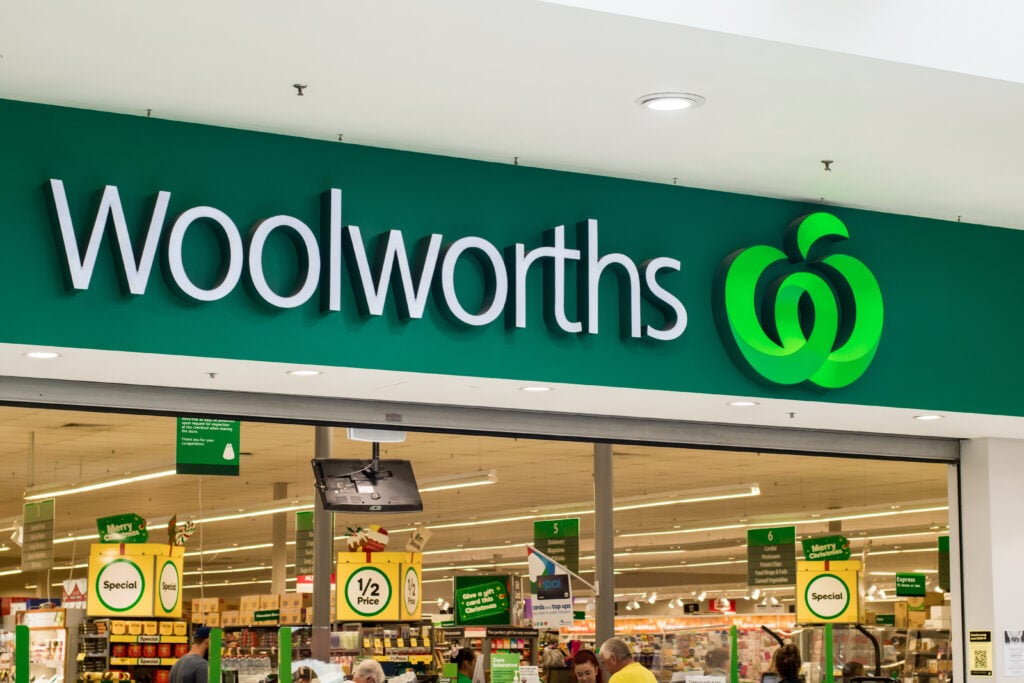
891	511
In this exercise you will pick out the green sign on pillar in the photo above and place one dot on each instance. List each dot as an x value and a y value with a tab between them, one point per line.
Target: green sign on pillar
129	528
206	446
559	539
944	563
910	584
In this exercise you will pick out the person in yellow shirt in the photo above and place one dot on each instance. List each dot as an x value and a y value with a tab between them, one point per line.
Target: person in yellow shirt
617	660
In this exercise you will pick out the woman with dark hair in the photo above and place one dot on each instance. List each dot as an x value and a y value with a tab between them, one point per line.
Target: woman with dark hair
465	659
788	663
587	668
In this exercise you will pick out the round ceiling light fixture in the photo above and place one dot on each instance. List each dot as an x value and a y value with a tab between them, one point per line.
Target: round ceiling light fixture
42	355
670	101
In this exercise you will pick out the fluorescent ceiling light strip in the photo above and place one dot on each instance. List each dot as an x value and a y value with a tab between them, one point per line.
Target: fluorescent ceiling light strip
473	567
84	488
234	570
904	535
700	496
680	566
232	549
907	550
472	550
797	522
254	513
459	481
10	572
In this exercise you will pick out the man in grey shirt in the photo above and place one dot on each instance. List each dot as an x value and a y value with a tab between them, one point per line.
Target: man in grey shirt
194	667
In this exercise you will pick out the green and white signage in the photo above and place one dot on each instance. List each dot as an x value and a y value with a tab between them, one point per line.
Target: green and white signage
505	667
368	591
37	535
910	584
771	556
208	446
482	600
169	589
827	596
559	539
120	585
560	277
127	528
826	548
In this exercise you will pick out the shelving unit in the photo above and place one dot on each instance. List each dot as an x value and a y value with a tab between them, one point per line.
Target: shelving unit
398	646
6	656
928	657
145	648
94	646
47	644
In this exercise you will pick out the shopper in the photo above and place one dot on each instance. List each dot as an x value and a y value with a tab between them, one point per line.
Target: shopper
618	661
587	667
194	667
551	659
852	670
788	663
465	659
718	662
368	671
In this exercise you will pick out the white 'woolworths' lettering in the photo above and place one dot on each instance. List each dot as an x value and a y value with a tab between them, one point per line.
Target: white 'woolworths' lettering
500	276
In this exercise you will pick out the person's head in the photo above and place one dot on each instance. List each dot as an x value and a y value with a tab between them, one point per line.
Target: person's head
586	667
852	670
788	661
201	641
614	655
718	658
368	671
466	661
552	658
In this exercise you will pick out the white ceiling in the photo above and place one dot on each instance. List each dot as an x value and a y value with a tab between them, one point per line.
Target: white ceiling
918	104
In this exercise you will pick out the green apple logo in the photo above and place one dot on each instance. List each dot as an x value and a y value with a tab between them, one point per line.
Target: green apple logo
821	324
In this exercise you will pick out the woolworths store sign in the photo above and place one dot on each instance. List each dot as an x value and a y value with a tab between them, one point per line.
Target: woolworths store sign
193	240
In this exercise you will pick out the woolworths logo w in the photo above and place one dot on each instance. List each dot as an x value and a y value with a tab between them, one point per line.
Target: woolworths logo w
790	319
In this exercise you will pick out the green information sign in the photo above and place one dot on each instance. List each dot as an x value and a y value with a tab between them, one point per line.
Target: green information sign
449	673
304	543
559	539
885	620
826	548
208	446
910	584
771	556
943	578
127	528
37	536
482	600
504	667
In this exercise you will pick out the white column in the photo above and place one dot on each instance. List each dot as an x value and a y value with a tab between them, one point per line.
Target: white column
991	535
279	537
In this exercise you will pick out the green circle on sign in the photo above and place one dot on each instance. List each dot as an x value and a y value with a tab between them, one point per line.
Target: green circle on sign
807	600
366	579
160	586
412	580
114	565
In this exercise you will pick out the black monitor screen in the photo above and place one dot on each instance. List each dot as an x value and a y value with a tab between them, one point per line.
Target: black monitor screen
353	486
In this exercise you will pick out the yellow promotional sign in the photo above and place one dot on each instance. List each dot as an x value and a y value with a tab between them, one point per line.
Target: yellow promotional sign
134	580
412	588
828	592
369	586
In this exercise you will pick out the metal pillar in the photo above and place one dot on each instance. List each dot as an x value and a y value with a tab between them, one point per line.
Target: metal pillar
279	537
604	543
323	561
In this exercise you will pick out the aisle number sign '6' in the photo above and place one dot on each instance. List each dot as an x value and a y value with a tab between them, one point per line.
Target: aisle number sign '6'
792	336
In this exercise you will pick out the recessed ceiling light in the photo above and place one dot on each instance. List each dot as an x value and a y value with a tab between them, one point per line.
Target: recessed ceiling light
303	373
42	355
535	388
670	101
928	417
743	404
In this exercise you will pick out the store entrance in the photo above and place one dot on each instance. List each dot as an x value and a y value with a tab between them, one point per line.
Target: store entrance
686	525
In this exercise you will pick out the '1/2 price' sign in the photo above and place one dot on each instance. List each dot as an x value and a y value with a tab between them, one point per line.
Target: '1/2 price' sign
368	591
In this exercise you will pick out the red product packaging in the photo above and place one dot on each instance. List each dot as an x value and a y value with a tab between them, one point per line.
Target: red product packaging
163	650
180	649
162	676
119	651
149	650
134	650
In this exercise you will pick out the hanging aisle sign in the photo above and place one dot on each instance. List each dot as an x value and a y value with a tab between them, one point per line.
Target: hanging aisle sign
909	584
208	446
482	600
559	539
771	556
37	536
826	548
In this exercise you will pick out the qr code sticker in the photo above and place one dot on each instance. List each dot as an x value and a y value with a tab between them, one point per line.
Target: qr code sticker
980	659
